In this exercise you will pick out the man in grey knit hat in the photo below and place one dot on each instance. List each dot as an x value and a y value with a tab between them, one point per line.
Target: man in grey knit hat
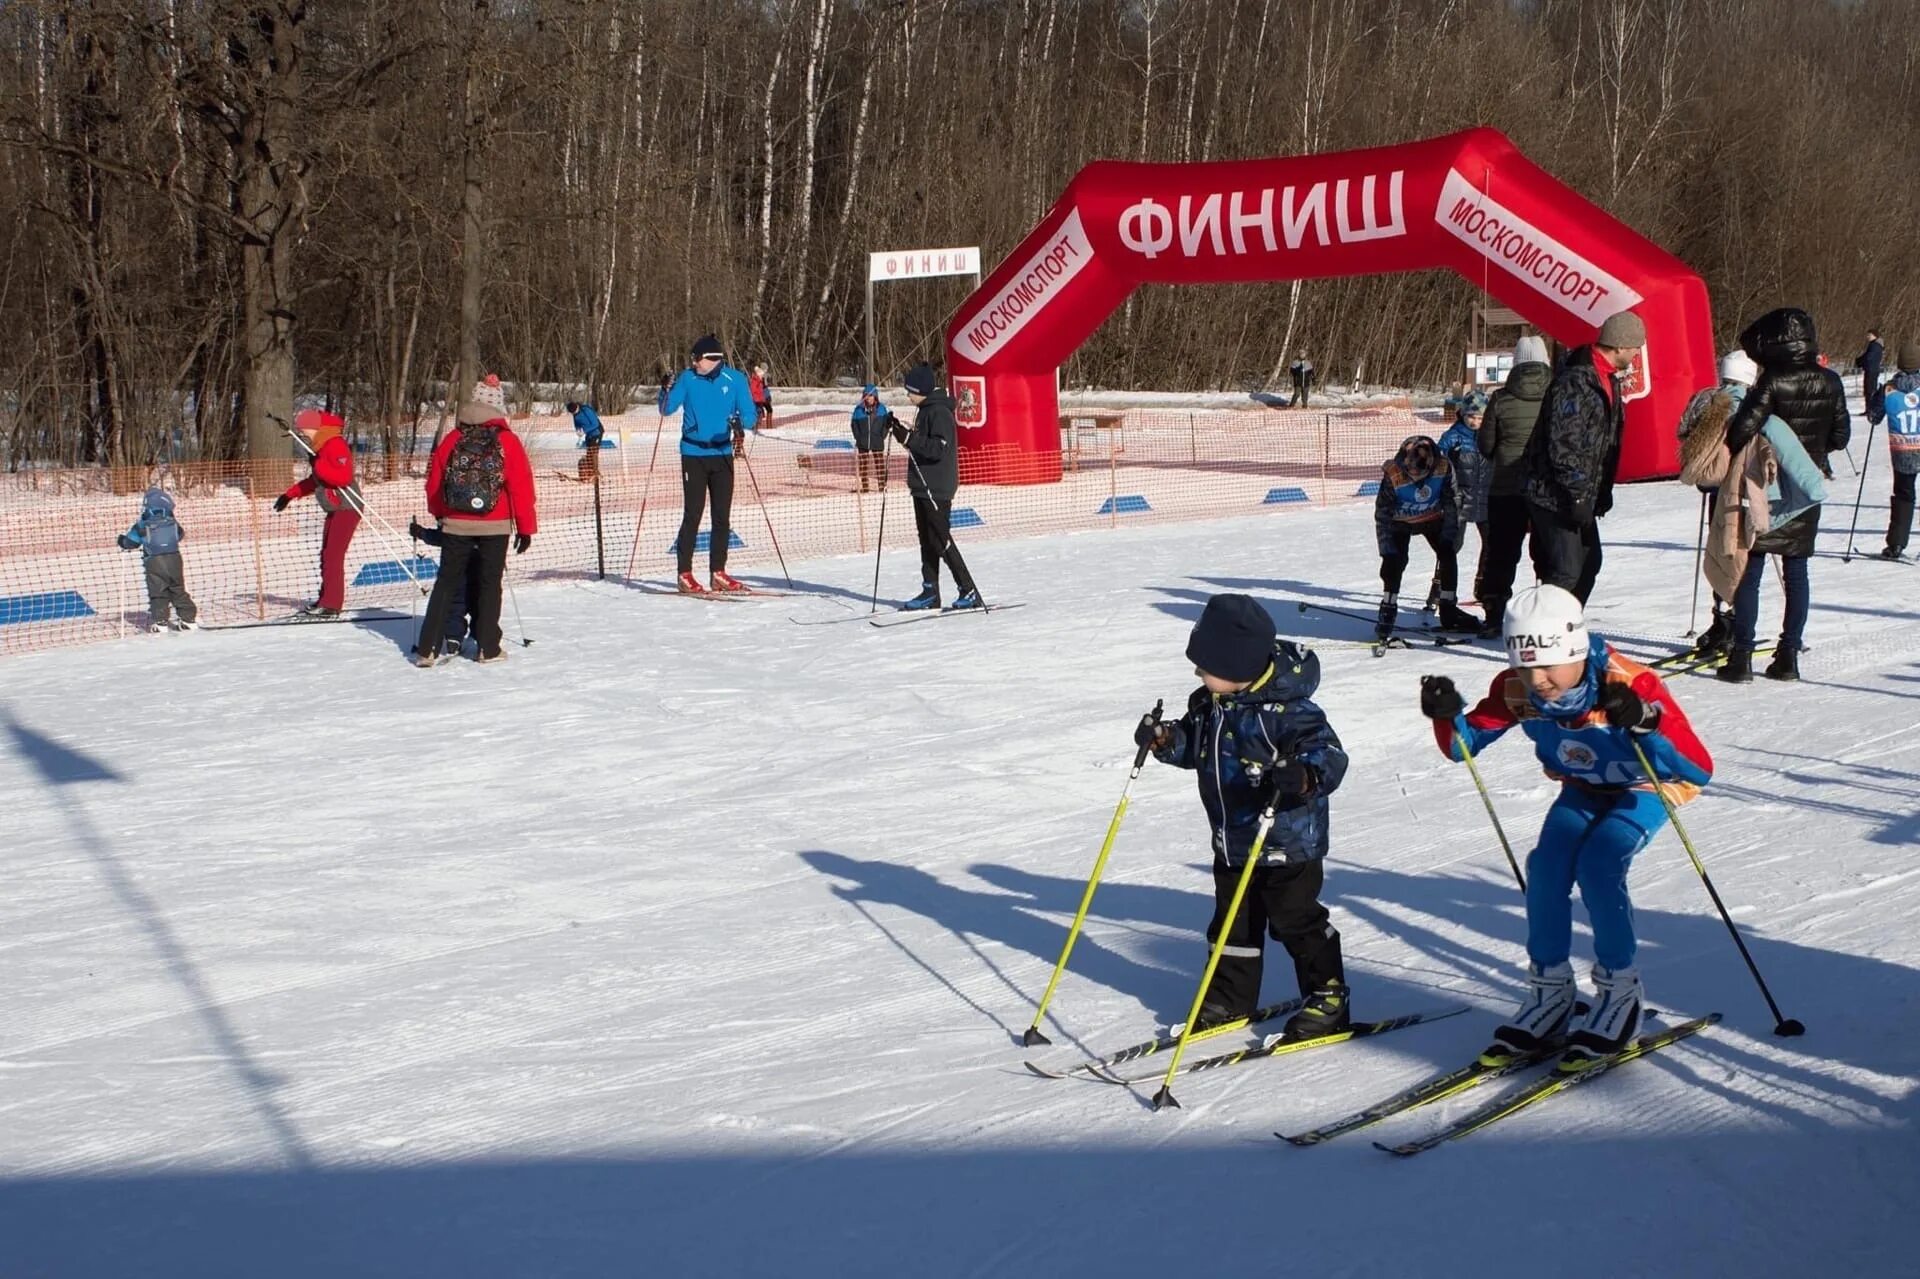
1574	451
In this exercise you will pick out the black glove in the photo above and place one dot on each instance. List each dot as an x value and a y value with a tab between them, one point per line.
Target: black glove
1439	699
1153	733
521	541
126	543
280	503
1627	710
1289	779
739	438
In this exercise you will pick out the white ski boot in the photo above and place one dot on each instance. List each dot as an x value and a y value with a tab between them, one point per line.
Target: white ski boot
1614	1019
1542	1019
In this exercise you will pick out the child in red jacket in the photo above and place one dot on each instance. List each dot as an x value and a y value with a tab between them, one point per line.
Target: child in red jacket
331	484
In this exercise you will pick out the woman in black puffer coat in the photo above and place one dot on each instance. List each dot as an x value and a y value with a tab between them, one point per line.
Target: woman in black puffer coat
1810	399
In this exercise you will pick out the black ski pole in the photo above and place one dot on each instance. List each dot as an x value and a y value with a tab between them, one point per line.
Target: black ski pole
1858	494
1337	612
880	540
1783	1026
1699	557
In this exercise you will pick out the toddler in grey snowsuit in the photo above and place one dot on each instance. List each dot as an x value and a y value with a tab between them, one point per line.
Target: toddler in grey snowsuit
157	535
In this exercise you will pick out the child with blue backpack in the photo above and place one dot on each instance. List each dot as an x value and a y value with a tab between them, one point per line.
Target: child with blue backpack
1254	736
157	535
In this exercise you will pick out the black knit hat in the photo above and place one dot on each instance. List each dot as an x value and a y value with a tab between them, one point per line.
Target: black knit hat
1233	638
1910	357
920	380
708	345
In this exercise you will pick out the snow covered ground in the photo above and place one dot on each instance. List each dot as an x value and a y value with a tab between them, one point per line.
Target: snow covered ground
694	942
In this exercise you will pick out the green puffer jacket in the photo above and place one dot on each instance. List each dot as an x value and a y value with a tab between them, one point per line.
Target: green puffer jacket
1509	423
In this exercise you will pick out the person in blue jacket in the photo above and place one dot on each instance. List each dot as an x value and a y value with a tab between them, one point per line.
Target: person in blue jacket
587	425
156	534
1900	401
716	411
1472	483
1253	735
1416	498
871	419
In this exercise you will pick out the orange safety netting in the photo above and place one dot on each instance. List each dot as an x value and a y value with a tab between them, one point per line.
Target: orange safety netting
64	581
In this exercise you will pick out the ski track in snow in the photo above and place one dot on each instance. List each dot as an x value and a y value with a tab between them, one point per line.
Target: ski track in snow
690	942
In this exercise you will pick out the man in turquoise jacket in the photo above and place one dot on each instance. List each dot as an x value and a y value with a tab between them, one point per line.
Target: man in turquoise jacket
716	411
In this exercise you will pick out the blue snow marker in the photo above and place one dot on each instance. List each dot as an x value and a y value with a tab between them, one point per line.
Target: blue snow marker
45	606
1370	489
703	540
387	572
1276	496
1126	504
605	443
965	517
833	444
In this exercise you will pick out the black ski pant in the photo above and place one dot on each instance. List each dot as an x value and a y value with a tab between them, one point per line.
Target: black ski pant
1282	901
933	520
1504	537
1565	554
167	588
478	564
1900	523
1393	563
701	477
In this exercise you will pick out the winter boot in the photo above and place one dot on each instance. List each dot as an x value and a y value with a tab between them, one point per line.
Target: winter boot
1389	614
1455	618
1738	668
487	659
1433	595
1785	664
1542	1019
182	624
1613	1020
929	597
1717	637
1325	1012
158	628
1496	617
969	598
690	585
1214	1014
314	610
723	582
1888	553
423	660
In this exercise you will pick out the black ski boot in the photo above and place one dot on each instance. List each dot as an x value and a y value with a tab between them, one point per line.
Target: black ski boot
1496	617
1389	614
1324	1013
1455	618
1738	668
1785	664
1213	1014
1718	636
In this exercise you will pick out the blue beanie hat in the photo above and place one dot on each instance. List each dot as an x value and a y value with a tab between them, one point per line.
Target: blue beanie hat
1233	638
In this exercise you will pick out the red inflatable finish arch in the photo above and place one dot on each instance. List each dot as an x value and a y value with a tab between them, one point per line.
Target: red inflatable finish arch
1469	202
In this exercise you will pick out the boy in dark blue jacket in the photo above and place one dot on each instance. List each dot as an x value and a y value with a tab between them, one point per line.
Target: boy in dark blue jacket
1416	498
1252	734
157	535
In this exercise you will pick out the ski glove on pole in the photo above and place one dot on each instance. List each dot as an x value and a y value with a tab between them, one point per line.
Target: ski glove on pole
1627	710
1439	699
1290	779
1152	733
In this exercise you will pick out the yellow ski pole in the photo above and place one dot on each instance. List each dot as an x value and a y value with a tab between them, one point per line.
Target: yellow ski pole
1033	1035
1466	753
1164	1097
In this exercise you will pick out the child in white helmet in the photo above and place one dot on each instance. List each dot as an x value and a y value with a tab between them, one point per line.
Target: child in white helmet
1585	707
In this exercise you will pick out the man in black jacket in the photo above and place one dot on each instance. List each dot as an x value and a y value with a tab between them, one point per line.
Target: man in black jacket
1573	453
1810	399
1869	363
933	476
